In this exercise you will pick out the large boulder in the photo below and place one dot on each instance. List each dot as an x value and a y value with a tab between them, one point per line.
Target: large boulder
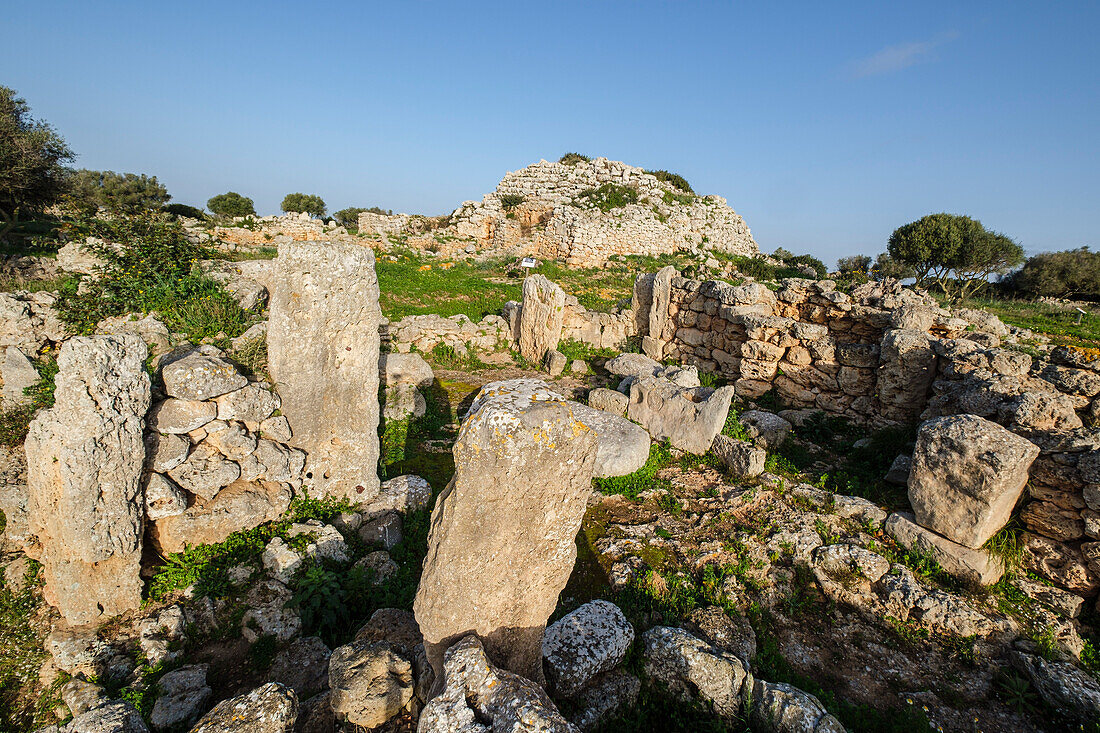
501	543
688	417
241	505
117	716
200	376
784	708
17	373
323	348
623	445
694	670
540	319
183	696
1061	685
370	682
582	644
84	463
977	567
966	476
270	708
479	698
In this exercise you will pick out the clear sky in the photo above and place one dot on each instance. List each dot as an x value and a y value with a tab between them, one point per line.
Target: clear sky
825	125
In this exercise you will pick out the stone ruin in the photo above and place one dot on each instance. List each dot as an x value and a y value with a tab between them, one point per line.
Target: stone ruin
552	222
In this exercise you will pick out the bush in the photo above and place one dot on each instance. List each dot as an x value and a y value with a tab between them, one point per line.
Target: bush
886	266
674	179
231	204
307	203
122	192
1074	273
349	217
608	196
149	266
573	159
854	265
190	212
797	262
511	200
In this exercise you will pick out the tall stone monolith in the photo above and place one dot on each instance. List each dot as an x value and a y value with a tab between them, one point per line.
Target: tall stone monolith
541	318
322	341
84	462
502	539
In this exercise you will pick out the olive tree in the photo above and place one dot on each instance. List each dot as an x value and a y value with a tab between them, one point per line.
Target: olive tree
231	204
32	158
304	203
955	252
120	192
1073	273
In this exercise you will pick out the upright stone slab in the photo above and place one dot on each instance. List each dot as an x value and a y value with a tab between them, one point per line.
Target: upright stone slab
84	464
323	354
501	544
540	320
653	344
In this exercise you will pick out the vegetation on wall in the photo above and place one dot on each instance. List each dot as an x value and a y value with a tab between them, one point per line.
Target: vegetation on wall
673	179
573	159
607	197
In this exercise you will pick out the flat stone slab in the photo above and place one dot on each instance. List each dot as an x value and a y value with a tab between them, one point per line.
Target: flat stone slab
976	566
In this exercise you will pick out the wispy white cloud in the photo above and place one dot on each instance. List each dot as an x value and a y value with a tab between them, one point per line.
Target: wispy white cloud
899	56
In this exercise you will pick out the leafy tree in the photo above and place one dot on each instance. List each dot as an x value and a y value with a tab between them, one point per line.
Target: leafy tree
939	245
32	154
886	266
1073	273
854	265
304	202
192	212
231	204
120	192
349	217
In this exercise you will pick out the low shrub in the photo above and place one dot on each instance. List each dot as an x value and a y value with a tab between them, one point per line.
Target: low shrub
190	212
511	200
608	196
674	179
573	159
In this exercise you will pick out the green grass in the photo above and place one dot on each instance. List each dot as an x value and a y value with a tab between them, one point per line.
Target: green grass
644	479
15	421
1057	322
21	657
475	289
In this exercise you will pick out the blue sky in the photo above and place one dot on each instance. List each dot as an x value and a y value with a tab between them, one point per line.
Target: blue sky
825	125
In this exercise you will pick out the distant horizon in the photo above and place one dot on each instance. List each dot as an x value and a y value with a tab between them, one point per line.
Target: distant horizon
824	128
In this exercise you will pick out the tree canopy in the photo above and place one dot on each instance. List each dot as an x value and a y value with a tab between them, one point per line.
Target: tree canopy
120	192
231	204
1073	273
32	158
955	252
304	202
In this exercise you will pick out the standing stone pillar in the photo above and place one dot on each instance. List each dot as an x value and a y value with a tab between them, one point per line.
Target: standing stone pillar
502	541
540	319
84	462
322	341
660	327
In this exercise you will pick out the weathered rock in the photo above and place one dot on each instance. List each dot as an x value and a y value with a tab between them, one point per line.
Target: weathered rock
540	319
402	494
766	429
241	505
198	376
1063	686
608	400
513	561
555	362
1061	564
302	666
742	459
623	445
974	566
232	439
326	542
13	503
323	348
270	708
633	365
899	470
163	498
967	474
688	417
159	635
604	698
177	417
732	634
184	695
18	373
205	472
84	458
150	329
784	708
385	530
1063	602
80	696
163	452
400	369
369	682
1050	520
77	650
695	670
378	564
907	366
479	698
280	560
251	403
268	613
583	644
117	716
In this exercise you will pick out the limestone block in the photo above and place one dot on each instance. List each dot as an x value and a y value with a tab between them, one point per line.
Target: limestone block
541	317
498	573
688	417
974	566
323	347
584	643
85	457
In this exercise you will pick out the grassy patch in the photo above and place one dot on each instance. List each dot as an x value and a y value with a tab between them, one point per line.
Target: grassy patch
412	284
15	421
21	657
607	197
644	479
1055	321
